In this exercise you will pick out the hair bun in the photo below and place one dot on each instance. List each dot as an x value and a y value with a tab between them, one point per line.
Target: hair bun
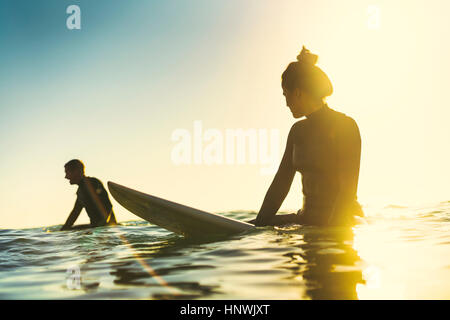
307	58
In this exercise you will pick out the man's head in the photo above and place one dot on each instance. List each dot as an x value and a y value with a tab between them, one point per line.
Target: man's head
74	171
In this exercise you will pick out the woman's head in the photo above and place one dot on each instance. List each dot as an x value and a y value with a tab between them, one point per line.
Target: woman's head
304	83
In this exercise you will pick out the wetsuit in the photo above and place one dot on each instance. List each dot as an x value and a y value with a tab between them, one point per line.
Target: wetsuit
326	150
93	197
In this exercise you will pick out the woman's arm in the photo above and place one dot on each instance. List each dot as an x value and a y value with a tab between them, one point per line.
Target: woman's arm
280	186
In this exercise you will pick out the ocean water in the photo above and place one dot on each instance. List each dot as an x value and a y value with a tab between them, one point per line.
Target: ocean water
400	253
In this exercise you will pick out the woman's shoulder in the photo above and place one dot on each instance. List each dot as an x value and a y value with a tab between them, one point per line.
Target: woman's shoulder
343	116
343	120
297	128
346	126
299	125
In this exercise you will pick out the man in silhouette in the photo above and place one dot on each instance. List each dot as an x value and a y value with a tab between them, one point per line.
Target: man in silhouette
91	195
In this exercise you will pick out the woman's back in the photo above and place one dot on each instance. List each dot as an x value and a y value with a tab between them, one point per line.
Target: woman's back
326	151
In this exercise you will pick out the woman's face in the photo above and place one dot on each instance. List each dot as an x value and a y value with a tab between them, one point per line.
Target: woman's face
294	102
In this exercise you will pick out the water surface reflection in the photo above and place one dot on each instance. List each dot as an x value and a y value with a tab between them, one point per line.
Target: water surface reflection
326	264
401	253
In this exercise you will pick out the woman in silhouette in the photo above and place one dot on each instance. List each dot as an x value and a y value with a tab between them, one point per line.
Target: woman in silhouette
325	148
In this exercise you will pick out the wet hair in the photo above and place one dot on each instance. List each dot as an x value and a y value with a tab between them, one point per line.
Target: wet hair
74	164
305	75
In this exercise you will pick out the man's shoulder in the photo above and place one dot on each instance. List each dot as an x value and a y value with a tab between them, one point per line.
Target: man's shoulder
94	180
95	183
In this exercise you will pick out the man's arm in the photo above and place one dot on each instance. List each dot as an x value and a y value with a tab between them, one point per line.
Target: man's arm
280	186
73	216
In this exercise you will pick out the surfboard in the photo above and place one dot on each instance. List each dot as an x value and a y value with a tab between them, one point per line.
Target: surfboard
175	217
87	226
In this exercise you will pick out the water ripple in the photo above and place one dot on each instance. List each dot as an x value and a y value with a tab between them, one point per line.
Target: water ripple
139	260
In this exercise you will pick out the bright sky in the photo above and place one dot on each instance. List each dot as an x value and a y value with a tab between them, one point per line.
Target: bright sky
114	92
